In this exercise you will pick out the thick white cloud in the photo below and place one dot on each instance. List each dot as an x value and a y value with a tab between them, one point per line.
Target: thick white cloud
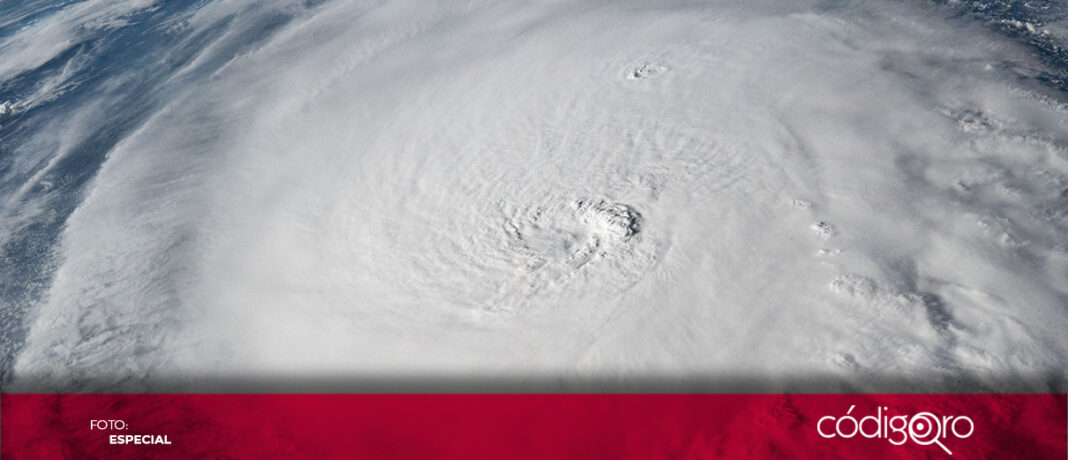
579	189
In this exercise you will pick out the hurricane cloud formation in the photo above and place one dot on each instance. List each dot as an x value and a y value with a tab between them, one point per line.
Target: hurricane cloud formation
553	191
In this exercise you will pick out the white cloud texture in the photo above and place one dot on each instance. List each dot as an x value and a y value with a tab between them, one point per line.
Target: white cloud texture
567	190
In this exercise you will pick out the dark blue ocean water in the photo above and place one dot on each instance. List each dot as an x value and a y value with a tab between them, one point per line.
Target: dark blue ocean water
145	54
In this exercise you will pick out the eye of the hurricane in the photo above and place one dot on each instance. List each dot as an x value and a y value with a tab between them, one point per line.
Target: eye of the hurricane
577	245
579	232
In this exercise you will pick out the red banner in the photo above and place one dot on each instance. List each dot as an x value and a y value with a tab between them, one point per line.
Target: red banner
514	426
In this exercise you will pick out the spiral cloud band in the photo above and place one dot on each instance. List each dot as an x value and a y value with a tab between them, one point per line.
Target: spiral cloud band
555	190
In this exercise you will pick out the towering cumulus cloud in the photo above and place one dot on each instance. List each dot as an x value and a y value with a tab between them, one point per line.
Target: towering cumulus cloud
807	194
